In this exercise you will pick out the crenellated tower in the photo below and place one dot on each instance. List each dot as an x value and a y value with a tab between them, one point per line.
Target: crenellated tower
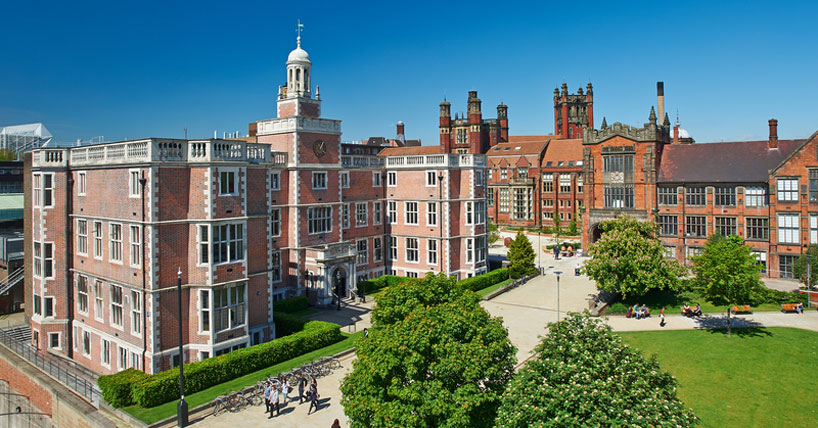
572	112
469	132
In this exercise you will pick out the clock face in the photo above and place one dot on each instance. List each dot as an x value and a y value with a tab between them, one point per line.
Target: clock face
319	147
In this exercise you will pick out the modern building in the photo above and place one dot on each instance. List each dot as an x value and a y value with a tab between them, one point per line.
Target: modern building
287	211
22	138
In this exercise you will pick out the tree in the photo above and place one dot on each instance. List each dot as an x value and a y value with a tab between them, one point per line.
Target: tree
440	360
494	233
572	228
557	229
629	258
805	267
521	255
7	155
584	376
728	273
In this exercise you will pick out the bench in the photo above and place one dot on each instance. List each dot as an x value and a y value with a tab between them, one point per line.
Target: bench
789	307
741	309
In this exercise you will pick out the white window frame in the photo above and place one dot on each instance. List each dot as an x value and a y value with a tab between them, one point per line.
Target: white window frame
361	216
412	250
813	229
275	180
43	260
469	213
787	189
319	180
43	193
122	358
59	340
232	307
115	245
82	183
86	343
48	307
134	190
232	237
431	213
105	352
376	179
136	313
319	220
82	237
228	182
431	251
789	229
275	222
203	247
377	213
362	252
276	267
114	306
205	312
481	247
392	212
136	246
82	282
755	196
410	216
431	178
478	178
345	216
343	179
469	250
393	248
99	241
99	301
392	179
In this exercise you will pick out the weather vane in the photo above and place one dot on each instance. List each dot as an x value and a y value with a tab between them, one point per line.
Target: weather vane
299	28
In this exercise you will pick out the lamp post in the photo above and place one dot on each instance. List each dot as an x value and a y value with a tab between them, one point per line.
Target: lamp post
558	273
181	410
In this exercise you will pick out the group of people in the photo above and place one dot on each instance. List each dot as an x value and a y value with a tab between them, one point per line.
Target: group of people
273	392
638	312
691	312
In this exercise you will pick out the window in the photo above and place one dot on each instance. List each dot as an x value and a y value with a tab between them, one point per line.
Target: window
667	195
579	184
522	203
135	360
431	213
135	190
415	274
105	352
228	242
116	305
345	216
43	259
504	200
82	294
813	185
469	212
228	307
43	190
725	196
480	244
755	196
788	229
392	212
565	183
115	235
49	306
412	250
86	343
695	196
617	163
761	259
38	310
491	174
393	248
758	228
98	240
82	237
319	180
618	196
136	246
377	250
38	259
363	252
693	251
99	302
81	183
275	181
668	225
227	182
696	226
548	183
376	179
376	213
785	266
726	226
503	173
319	220
469	250
670	251
788	189
204	243
275	222
343	177
478	178
431	251
431	178
392	179
813	229
123	358
490	196
411	214
276	266
204	310
479	212
522	173
361	214
136	312
462	138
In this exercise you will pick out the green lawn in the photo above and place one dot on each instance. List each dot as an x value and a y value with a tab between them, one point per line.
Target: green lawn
757	378
493	288
162	411
673	301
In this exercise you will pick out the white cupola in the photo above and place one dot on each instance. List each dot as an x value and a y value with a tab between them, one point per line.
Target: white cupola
298	72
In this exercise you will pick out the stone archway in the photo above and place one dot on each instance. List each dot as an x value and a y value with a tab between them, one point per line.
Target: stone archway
339	282
595	233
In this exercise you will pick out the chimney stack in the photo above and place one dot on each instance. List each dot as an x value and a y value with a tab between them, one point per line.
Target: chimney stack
400	128
773	143
660	98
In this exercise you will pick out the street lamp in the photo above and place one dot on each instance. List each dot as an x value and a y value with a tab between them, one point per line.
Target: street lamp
181	410
558	273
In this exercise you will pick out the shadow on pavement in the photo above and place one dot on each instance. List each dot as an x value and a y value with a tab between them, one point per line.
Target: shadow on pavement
741	326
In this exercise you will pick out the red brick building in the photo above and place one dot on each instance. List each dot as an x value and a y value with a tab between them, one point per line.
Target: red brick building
288	211
470	133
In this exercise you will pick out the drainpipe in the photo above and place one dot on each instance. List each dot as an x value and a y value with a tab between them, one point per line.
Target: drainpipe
142	182
69	253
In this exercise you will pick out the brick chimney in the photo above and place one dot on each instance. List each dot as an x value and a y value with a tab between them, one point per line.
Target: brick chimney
400	128
675	134
660	98
773	142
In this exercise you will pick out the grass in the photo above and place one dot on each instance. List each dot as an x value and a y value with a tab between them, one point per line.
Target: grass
757	378
493	288
162	411
655	300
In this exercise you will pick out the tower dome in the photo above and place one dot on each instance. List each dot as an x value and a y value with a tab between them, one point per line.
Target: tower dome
298	72
298	54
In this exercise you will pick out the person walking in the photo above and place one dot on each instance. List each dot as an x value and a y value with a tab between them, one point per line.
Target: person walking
366	333
274	403
302	384
662	317
336	424
556	252
285	389
313	396
268	391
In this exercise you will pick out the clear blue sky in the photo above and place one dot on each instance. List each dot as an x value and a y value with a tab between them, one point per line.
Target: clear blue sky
144	69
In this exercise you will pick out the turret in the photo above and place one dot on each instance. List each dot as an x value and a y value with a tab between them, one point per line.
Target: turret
475	123
502	118
445	126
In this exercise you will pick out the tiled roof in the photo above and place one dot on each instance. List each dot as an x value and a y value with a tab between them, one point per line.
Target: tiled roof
411	150
529	138
733	162
563	151
517	148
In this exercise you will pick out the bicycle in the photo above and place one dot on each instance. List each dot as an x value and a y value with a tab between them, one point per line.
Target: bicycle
222	404
334	363
236	401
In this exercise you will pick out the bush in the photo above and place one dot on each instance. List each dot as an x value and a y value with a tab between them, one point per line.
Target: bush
116	388
293	304
775	296
159	388
287	324
480	282
373	285
617	308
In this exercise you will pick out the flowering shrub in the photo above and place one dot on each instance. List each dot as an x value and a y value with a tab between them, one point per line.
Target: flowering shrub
584	376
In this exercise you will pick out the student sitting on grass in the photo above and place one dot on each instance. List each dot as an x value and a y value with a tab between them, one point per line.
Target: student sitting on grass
645	312
697	311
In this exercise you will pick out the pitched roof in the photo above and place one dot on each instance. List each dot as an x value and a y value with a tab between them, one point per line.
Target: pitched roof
733	162
411	150
564	150
517	148
529	138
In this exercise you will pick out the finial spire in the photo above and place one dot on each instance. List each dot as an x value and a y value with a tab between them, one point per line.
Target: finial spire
298	30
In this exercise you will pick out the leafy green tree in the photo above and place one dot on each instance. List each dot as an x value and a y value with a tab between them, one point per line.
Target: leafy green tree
728	273
805	267
557	229
438	359
629	258
7	155
584	376
494	233
572	228
521	255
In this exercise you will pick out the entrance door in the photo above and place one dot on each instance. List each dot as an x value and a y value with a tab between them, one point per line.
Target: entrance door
339	282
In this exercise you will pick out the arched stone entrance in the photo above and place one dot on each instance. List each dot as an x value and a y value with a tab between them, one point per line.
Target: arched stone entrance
595	233
339	282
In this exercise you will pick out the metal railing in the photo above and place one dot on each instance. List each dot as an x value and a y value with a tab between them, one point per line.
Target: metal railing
12	280
59	370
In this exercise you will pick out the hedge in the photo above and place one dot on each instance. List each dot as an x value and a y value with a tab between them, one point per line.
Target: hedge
287	324
116	388
163	387
372	285
293	304
480	282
